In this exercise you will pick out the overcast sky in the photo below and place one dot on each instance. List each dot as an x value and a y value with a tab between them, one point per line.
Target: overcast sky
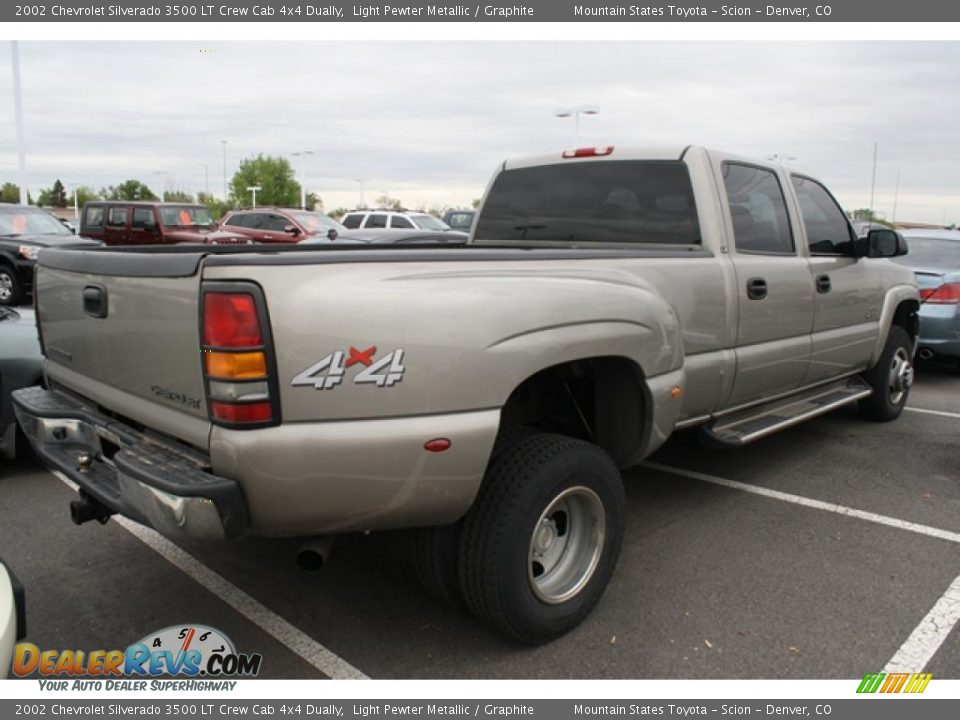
428	122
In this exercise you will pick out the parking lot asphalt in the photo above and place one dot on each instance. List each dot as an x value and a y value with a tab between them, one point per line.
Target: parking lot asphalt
715	579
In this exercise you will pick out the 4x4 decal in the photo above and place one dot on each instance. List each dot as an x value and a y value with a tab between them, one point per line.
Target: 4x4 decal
329	372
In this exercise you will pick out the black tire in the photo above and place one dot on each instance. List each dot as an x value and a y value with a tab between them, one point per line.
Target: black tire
498	575
435	561
890	382
436	549
11	292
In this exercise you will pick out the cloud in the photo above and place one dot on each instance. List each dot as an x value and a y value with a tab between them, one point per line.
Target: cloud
432	120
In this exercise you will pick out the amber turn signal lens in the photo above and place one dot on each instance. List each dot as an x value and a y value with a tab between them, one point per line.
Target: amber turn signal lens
236	366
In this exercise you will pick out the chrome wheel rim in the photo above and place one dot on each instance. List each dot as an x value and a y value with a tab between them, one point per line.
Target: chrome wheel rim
901	376
6	286
565	545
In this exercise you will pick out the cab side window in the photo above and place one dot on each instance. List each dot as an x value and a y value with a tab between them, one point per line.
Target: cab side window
93	216
351	222
237	221
117	217
828	232
398	221
276	223
376	221
758	210
143	219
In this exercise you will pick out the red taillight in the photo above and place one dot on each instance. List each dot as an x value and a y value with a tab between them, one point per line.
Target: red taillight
230	320
237	357
948	294
588	152
246	413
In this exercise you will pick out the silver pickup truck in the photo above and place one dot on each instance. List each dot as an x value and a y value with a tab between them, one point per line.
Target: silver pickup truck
486	394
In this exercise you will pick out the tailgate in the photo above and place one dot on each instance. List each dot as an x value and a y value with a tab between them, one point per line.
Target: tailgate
122	329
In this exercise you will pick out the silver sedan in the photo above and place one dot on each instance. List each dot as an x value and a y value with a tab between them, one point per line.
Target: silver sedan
935	259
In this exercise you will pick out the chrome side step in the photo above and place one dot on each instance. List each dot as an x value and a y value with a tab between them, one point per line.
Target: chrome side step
754	423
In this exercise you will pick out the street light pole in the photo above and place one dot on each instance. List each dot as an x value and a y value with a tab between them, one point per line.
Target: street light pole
18	116
896	195
163	187
303	178
224	143
575	113
253	189
363	195
206	180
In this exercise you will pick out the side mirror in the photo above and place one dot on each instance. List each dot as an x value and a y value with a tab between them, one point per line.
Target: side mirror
332	234
292	229
881	243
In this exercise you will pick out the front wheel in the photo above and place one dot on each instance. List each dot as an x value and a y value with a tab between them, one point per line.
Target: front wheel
11	293
891	378
541	541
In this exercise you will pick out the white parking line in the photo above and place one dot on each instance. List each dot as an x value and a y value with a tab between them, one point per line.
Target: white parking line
810	503
941	413
929	635
293	638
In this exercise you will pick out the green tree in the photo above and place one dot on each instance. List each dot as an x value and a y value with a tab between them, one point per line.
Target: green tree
314	202
177	196
275	178
389	203
218	208
84	194
56	196
338	213
475	204
10	193
129	190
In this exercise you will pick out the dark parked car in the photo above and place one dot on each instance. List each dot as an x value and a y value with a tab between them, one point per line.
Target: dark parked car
121	222
461	220
395	237
272	225
935	259
20	366
24	231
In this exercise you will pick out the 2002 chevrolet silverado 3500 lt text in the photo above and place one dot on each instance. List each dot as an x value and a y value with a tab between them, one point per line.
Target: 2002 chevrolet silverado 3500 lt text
485	394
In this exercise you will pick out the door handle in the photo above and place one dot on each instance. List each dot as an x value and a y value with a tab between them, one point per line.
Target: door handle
756	288
95	301
823	284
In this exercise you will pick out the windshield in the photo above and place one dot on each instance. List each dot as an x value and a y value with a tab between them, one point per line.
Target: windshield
429	222
931	253
185	216
30	222
625	201
314	222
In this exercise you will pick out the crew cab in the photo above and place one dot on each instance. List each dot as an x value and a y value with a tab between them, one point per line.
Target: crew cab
487	394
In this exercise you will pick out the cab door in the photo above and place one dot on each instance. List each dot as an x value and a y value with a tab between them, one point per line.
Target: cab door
144	229
848	294
775	289
116	225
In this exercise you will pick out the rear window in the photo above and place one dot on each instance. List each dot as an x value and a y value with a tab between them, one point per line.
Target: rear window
627	201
